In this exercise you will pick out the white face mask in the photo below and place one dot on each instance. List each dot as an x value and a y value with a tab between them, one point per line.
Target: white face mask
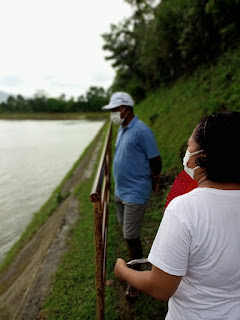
190	171
116	117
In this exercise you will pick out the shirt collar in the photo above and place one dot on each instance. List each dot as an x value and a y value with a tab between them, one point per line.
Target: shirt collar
131	123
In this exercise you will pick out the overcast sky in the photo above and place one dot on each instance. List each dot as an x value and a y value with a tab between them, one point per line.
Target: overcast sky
55	45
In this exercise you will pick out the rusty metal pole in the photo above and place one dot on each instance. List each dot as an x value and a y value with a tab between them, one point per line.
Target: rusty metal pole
100	290
100	203
110	158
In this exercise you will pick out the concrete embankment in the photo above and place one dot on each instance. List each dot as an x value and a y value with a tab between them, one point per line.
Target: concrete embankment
26	282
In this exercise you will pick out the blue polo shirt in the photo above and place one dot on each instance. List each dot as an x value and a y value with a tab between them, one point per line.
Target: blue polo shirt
135	145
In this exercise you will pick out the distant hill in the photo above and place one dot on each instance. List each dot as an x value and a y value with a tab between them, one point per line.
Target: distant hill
3	96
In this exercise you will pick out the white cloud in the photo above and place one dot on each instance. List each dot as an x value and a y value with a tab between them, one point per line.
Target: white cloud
10	81
55	45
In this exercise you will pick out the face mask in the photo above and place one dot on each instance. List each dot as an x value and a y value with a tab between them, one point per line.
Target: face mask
190	171
116	117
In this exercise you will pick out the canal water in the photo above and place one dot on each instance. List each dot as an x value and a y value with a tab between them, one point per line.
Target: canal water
34	158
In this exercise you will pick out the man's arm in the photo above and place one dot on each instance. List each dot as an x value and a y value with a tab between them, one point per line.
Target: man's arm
156	167
155	283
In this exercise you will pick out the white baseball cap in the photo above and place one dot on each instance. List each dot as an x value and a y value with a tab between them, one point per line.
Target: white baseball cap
119	99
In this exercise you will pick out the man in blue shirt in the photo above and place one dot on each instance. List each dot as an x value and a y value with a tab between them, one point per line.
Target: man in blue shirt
136	167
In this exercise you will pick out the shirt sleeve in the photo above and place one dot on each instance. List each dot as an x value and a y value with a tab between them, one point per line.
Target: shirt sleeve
170	249
148	144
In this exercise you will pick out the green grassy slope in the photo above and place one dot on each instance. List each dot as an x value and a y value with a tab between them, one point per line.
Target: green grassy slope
173	112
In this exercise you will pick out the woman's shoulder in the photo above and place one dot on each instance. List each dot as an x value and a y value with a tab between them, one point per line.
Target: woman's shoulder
185	198
200	198
187	208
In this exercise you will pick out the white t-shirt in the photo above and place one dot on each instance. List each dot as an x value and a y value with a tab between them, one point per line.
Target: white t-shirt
199	239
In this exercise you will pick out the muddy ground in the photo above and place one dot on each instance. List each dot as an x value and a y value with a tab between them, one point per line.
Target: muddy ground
26	282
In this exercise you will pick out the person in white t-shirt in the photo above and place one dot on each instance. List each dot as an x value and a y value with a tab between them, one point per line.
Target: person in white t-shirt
196	253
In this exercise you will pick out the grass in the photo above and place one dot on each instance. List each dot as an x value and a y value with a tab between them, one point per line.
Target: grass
174	111
73	295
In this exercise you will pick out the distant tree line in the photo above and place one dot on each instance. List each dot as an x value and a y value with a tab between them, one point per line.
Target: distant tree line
158	44
92	101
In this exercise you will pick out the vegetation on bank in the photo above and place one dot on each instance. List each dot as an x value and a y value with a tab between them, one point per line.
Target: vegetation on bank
54	116
160	43
173	112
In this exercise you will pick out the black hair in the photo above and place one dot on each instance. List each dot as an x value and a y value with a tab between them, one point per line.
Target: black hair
218	135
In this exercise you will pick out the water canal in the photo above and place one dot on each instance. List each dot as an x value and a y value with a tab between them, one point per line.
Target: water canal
34	158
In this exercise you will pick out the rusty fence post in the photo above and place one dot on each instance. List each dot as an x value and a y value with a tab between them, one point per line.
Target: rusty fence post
100	196
99	284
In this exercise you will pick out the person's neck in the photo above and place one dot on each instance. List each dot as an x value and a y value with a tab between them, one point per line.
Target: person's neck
127	120
203	182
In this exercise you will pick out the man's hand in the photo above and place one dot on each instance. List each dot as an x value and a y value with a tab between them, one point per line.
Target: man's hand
156	167
155	182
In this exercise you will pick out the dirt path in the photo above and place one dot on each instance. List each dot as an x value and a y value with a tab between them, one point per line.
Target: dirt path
26	282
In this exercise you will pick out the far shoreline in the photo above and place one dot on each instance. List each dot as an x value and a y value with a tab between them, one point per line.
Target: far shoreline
55	116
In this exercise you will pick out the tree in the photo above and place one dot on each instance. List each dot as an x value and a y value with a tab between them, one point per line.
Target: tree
128	43
11	104
225	14
22	104
158	44
38	103
55	105
96	98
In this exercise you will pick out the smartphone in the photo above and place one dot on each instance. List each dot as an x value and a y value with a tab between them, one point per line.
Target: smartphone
137	261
